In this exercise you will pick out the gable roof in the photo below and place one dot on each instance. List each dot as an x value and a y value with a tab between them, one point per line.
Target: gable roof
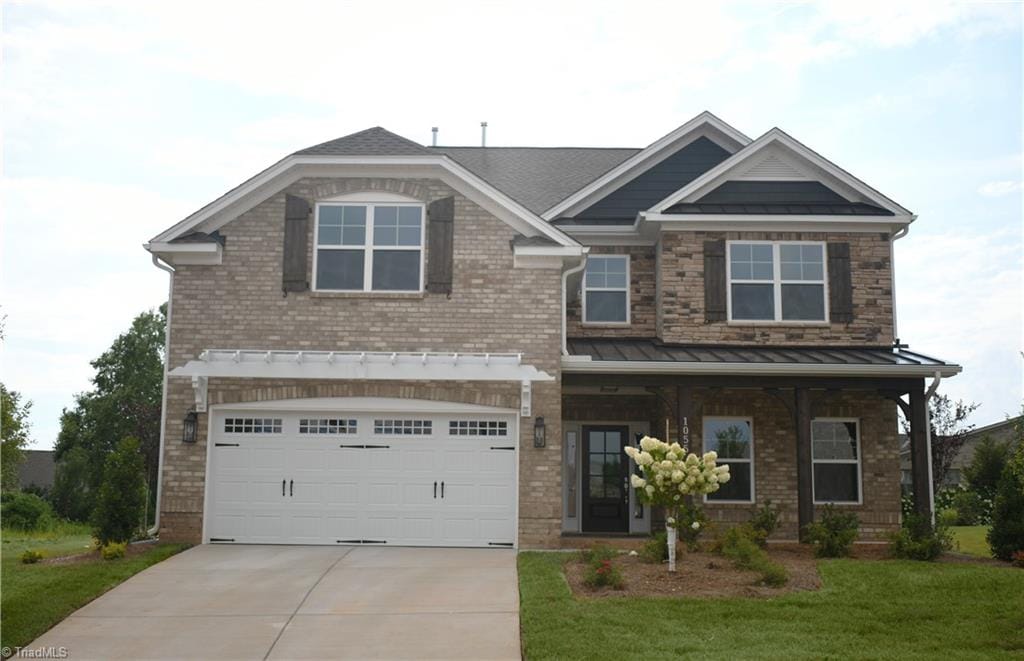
375	141
853	189
776	198
538	177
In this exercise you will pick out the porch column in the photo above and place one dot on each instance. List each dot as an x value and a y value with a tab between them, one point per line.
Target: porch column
919	452
804	467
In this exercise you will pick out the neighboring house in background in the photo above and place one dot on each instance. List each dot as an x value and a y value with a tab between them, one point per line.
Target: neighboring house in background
377	342
37	470
1001	432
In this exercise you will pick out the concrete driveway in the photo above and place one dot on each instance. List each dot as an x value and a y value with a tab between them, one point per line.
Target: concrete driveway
304	602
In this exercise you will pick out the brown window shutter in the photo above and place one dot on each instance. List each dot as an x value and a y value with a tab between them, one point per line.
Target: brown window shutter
714	281
440	245
296	244
840	284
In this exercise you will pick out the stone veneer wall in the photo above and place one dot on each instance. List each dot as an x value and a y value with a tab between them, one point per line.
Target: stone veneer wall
681	293
775	448
642	297
493	308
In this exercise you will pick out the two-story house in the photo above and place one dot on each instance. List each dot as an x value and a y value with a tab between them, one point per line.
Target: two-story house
374	341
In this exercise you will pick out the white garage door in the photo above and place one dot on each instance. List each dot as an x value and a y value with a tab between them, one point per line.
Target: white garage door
335	477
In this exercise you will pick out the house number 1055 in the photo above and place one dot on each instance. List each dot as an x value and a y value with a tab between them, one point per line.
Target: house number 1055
684	434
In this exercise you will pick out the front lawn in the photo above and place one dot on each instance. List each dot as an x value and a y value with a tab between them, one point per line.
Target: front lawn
35	597
865	609
971	540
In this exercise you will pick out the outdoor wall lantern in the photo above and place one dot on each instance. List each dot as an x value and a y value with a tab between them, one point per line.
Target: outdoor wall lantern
539	433
189	427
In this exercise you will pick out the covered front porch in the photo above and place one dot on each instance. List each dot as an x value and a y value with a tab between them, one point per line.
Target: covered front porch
800	427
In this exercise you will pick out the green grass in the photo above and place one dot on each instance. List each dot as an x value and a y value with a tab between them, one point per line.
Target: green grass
33	598
865	609
971	540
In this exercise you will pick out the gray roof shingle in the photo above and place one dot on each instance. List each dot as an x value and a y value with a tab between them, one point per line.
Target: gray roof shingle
537	177
371	142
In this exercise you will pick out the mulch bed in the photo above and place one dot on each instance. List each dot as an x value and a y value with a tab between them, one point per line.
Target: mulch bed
700	574
132	550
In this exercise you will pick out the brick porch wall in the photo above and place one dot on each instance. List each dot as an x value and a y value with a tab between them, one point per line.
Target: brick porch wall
775	449
493	307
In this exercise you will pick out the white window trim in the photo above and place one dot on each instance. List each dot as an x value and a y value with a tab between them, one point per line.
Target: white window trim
776	283
368	248
753	482
629	283
858	461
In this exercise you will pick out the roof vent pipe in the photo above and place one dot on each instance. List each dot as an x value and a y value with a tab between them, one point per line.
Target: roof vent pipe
483	134
433	130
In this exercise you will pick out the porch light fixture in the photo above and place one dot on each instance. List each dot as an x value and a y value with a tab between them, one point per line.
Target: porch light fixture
539	432
189	426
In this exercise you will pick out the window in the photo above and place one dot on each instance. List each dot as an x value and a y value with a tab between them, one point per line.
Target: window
477	428
606	290
403	427
835	453
252	425
369	247
326	426
776	281
733	440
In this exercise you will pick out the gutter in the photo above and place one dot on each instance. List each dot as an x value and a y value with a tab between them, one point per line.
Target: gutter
155	530
583	364
565	300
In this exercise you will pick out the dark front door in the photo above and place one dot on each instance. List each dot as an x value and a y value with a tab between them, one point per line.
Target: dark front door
605	474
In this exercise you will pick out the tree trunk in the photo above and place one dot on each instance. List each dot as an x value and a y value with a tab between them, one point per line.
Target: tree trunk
672	532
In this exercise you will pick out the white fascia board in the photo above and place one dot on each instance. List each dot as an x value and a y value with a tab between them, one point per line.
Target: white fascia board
292	168
703	124
200	247
366	405
777	223
574	365
205	254
549	251
718	174
360	366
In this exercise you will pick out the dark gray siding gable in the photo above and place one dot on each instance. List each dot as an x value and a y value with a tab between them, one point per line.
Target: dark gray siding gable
659	182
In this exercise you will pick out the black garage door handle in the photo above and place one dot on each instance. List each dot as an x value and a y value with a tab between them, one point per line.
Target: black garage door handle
282	487
442	489
291	487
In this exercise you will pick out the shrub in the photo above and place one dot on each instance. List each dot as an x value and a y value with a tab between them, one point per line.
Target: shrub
31	557
598	552
121	499
1007	534
601	573
972	508
26	511
742	545
689	533
833	534
113	550
917	539
945	517
765	520
1018	559
986	467
655	549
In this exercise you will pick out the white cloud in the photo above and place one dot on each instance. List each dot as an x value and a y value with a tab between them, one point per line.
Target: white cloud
999	188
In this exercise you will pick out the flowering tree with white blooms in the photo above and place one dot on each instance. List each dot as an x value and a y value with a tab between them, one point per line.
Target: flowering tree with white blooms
669	474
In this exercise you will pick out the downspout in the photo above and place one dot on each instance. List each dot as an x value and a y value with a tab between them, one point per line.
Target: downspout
565	300
163	402
928	394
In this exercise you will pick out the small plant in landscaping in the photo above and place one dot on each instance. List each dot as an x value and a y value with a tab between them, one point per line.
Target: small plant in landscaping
765	520
692	523
597	552
655	549
31	557
113	550
1018	559
741	545
834	533
601	573
917	539
121	498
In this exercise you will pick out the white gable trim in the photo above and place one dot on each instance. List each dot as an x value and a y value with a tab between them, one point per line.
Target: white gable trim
289	170
724	170
703	125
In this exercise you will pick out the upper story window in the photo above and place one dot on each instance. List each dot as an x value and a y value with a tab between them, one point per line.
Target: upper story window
606	290
776	281
369	247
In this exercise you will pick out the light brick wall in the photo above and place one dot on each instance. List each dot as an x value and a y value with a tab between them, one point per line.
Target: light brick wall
681	313
642	299
493	308
775	448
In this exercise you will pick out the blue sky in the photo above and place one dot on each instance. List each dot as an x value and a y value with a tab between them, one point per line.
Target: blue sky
121	118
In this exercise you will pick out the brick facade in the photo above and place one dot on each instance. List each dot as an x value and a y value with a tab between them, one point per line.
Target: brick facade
681	310
493	307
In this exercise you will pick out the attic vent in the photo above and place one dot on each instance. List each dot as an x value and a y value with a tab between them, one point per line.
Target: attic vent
773	167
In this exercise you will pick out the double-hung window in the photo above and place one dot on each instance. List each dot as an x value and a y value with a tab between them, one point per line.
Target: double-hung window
835	454
777	282
369	247
606	290
733	440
